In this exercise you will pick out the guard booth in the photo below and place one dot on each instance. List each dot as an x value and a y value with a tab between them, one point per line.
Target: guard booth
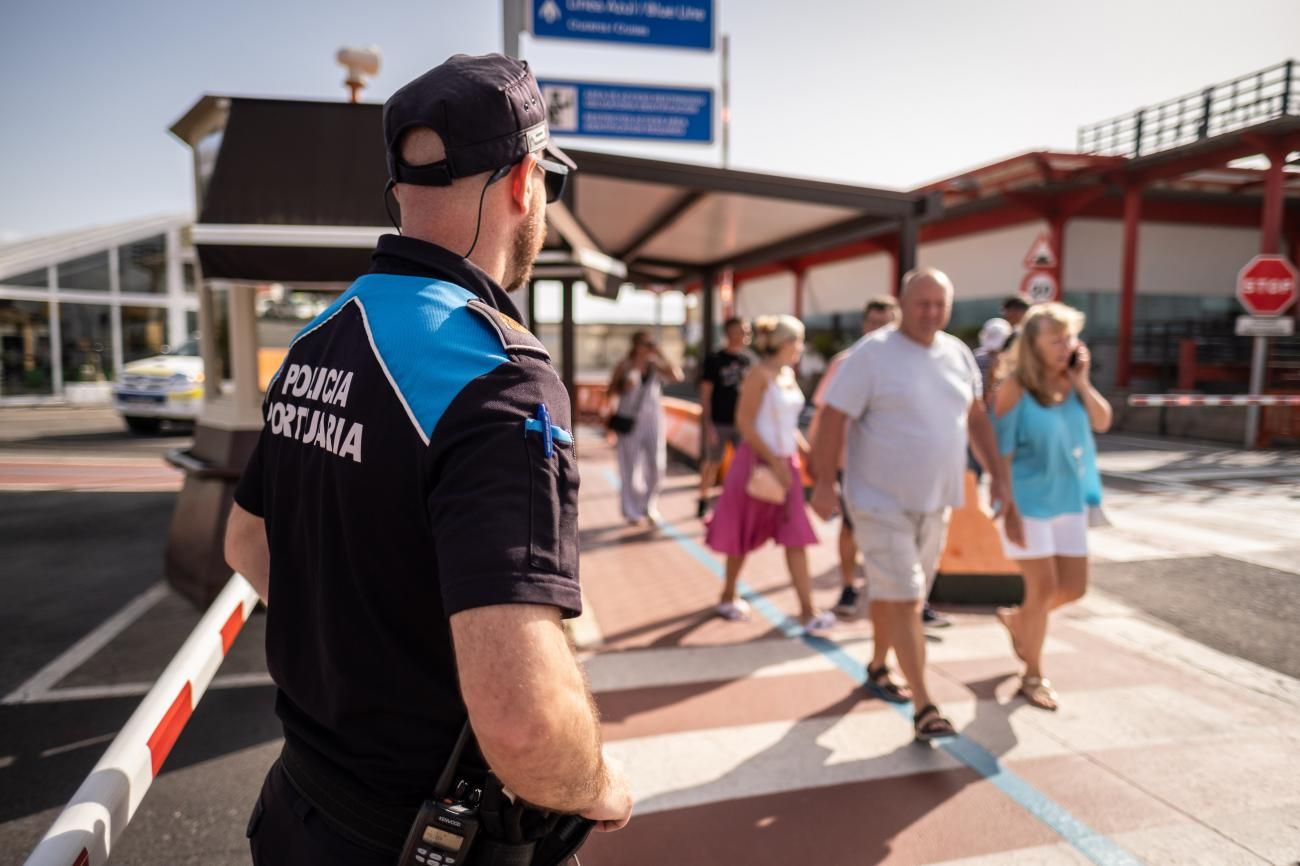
291	192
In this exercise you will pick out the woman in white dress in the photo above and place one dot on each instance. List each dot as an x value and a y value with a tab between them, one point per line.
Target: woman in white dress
637	385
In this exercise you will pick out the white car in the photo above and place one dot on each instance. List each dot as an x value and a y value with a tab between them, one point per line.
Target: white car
165	387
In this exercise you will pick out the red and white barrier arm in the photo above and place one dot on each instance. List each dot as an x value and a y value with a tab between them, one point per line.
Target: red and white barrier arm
1180	400
90	825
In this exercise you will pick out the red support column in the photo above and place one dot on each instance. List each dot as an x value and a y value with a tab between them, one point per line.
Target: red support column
1271	216
1056	228
1128	284
800	275
895	284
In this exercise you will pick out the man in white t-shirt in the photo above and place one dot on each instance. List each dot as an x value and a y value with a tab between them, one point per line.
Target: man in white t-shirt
912	394
879	313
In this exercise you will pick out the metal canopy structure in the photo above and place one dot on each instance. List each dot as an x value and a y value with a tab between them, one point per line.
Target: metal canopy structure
673	223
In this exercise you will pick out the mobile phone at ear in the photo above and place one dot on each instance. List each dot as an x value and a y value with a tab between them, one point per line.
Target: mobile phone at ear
1074	359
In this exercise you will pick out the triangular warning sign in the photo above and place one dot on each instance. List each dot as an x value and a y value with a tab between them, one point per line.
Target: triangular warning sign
1041	254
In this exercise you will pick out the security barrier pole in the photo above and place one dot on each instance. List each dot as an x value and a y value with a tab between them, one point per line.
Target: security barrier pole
1258	361
90	825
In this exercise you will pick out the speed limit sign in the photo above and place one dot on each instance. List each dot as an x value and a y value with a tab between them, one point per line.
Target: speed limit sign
1039	287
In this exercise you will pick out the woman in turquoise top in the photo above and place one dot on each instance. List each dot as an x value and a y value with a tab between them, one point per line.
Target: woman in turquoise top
1046	412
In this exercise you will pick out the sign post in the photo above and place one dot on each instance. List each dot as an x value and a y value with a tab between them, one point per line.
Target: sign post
1266	287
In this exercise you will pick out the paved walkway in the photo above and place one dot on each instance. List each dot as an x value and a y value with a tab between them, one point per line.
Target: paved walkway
750	743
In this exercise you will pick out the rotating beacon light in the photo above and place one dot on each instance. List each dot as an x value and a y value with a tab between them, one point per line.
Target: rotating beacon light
361	63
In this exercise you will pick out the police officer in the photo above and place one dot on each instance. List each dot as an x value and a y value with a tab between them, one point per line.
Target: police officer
410	511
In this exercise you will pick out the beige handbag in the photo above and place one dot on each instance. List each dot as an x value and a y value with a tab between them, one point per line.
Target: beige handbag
763	484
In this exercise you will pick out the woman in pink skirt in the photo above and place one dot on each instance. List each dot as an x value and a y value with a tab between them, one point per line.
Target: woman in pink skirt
767	417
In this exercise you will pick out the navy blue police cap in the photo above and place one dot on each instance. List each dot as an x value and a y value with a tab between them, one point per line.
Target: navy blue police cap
487	110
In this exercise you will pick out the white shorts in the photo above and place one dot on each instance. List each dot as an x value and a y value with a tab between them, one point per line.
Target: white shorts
901	551
1063	535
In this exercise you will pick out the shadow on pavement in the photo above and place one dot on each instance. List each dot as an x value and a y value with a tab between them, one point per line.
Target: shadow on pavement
725	818
54	746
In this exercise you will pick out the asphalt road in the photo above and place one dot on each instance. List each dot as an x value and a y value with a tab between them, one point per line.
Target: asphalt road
69	561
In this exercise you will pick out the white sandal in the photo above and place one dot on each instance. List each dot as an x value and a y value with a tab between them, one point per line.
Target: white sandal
734	611
1039	693
820	623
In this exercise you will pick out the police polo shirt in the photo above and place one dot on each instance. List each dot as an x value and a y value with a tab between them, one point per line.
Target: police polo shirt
403	476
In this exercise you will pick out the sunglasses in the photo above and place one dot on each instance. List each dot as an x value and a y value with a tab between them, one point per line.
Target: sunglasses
556	177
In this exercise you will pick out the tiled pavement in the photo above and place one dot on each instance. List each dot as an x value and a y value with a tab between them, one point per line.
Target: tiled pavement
747	745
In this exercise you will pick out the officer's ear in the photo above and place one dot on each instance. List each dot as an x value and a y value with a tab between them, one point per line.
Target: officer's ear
521	183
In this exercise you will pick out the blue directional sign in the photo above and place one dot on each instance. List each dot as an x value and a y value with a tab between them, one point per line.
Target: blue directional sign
625	111
678	24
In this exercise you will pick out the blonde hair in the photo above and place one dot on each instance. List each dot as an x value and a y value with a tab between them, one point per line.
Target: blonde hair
773	332
1024	363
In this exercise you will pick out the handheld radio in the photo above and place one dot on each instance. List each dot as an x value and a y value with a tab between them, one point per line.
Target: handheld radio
446	825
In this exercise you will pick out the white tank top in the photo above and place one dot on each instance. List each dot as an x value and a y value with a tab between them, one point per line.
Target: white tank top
778	416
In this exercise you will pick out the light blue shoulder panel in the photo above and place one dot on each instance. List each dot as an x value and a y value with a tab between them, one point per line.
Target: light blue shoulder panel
427	339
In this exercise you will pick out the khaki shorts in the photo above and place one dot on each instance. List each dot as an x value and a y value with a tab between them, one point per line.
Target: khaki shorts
901	551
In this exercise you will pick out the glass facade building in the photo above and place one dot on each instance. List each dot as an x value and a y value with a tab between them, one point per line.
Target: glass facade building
76	307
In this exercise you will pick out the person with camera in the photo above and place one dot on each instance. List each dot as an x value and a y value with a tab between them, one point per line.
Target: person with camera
409	513
636	388
762	498
1047	410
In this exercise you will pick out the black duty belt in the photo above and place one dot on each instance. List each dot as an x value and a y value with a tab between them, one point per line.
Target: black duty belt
344	806
384	827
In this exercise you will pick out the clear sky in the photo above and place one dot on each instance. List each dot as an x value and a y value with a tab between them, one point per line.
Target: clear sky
881	92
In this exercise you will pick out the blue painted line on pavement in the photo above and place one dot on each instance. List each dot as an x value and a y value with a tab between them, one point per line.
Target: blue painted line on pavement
1098	848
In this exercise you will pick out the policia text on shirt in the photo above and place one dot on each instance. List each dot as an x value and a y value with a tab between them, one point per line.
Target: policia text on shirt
410	516
321	428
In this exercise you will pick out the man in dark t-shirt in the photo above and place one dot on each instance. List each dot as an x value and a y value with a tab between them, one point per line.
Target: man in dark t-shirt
719	389
410	511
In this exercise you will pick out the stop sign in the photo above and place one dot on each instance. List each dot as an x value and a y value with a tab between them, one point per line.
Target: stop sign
1267	285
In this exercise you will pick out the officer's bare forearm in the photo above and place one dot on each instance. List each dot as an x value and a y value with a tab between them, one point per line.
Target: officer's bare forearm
529	705
553	760
246	549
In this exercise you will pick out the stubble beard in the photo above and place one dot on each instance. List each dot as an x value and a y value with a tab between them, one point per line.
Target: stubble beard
527	244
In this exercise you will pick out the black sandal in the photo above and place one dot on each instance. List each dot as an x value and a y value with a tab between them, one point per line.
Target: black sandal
931	725
879	684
